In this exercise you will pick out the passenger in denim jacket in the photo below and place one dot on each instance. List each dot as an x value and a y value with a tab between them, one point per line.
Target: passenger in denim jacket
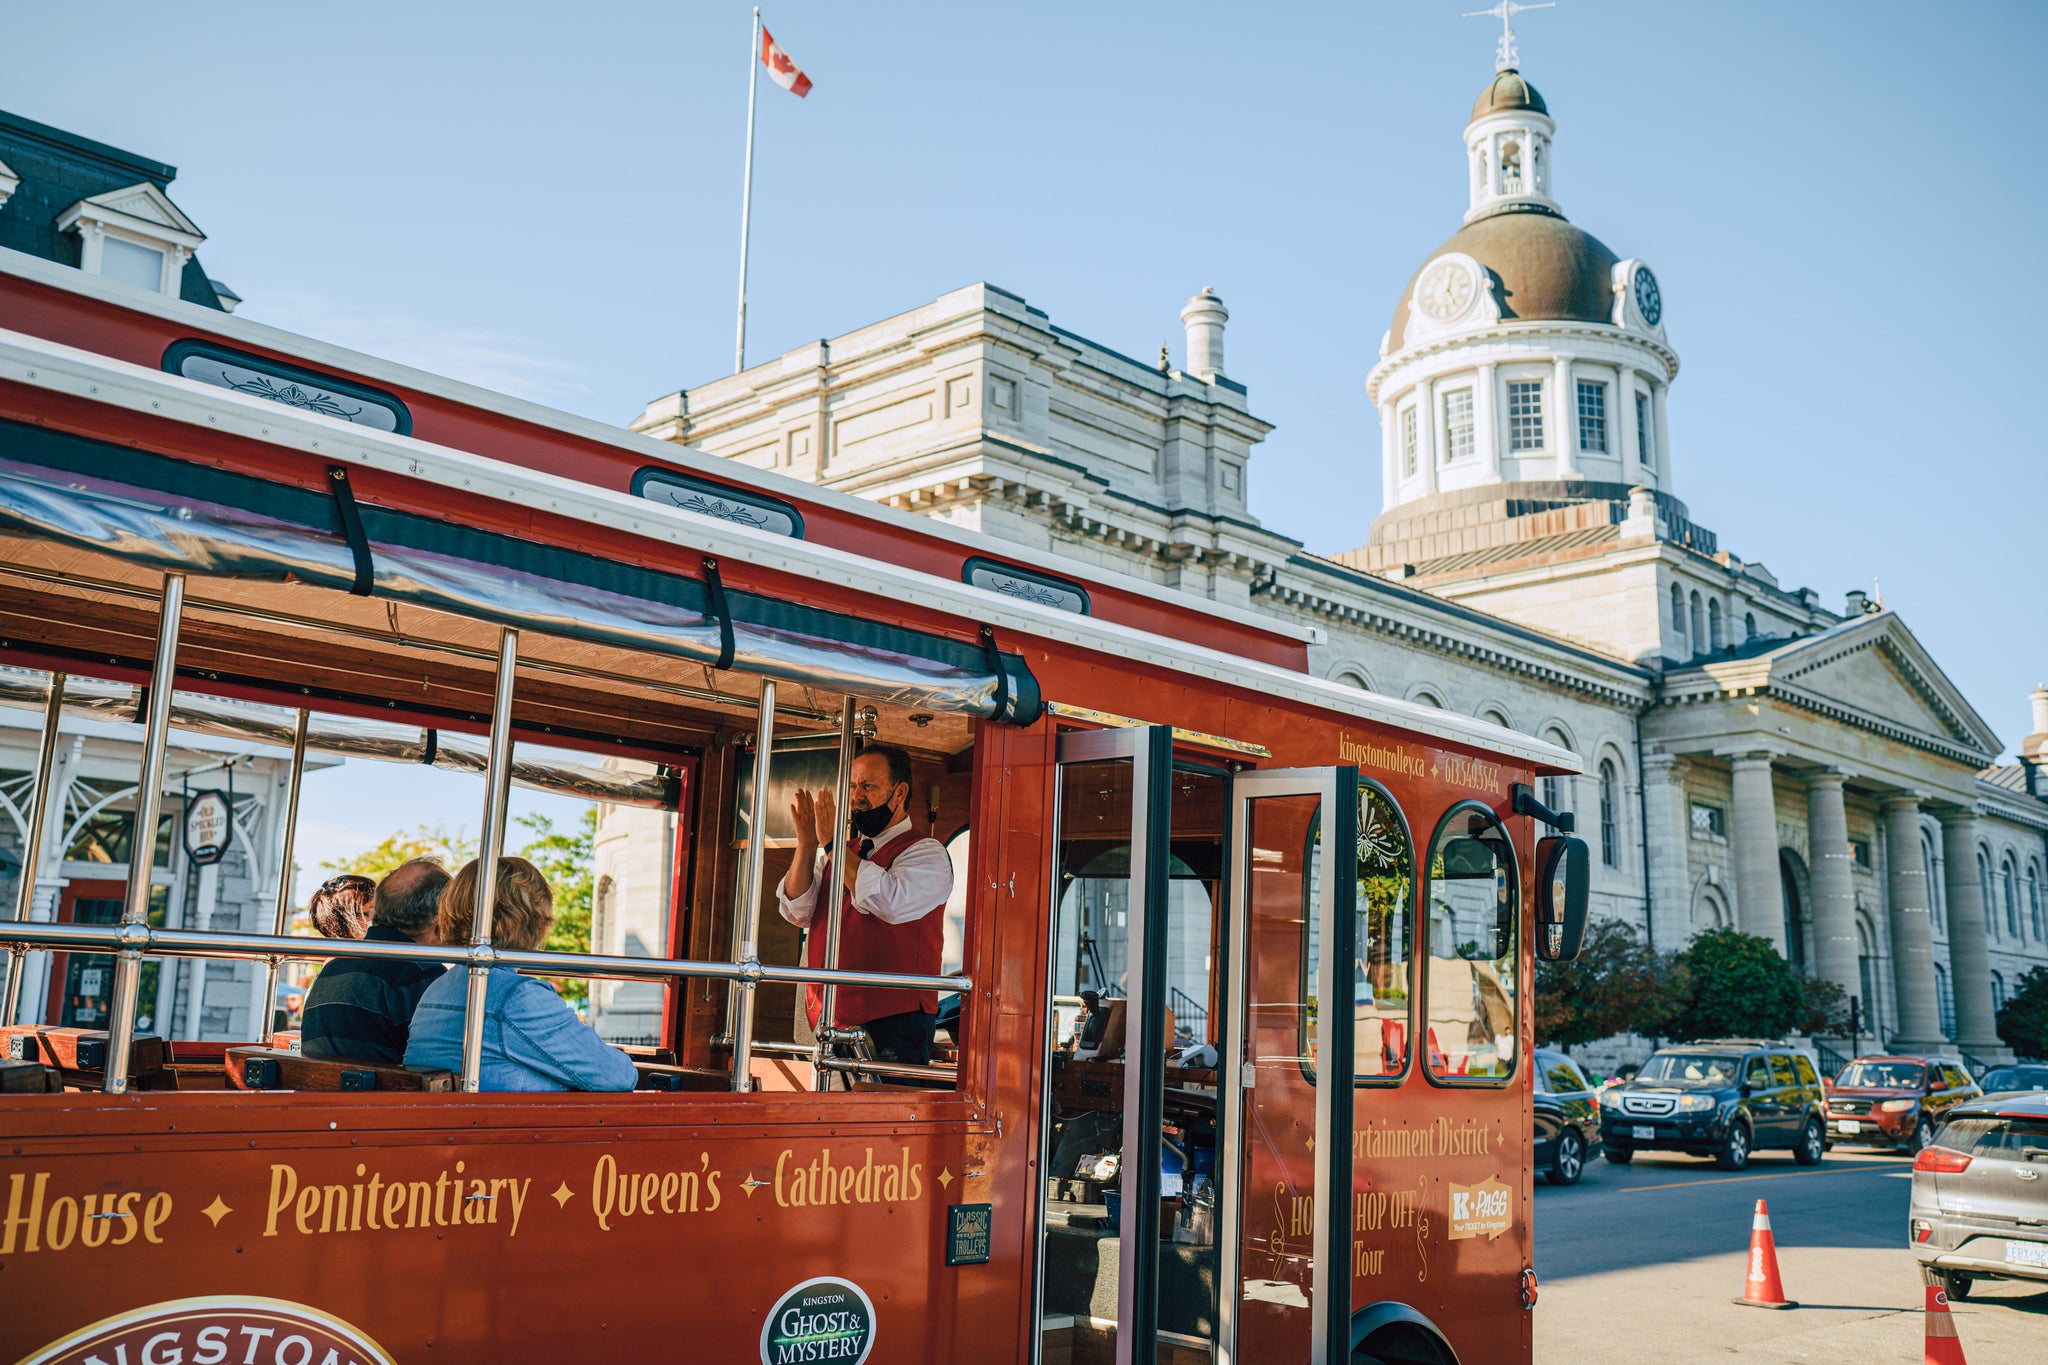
532	1039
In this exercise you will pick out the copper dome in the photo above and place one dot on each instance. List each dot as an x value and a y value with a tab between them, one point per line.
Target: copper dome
1543	268
1507	90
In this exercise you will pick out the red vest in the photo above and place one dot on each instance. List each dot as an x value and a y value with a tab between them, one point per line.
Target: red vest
867	944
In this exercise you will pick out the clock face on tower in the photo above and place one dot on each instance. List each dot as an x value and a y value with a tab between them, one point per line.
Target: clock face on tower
1649	299
1444	291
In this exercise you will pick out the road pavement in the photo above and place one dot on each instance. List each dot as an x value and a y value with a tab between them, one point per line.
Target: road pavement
1641	1262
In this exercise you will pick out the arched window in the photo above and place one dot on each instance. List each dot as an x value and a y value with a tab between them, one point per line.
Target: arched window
2011	878
1610	815
1678	619
1699	625
1717	635
1867	974
2034	901
1997	994
1749	625
1944	1001
1984	892
1795	933
1930	862
1556	791
1511	168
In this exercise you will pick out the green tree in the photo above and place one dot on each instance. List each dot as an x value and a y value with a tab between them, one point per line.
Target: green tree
1739	986
425	841
1826	1010
2023	1019
1617	984
565	859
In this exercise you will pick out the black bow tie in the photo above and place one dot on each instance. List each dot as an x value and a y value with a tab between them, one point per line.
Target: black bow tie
867	846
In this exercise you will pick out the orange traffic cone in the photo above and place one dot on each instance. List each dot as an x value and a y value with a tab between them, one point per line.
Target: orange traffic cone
1761	1287
1943	1346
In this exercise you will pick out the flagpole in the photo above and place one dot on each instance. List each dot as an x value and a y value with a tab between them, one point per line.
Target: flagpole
739	348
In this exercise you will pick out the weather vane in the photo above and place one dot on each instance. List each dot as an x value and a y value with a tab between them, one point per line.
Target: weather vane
1506	10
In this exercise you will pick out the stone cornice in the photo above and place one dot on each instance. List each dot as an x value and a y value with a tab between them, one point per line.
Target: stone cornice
1515	331
2017	807
1624	685
1166	537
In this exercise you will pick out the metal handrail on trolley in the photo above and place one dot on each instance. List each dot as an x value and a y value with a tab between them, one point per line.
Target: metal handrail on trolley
145	940
150	941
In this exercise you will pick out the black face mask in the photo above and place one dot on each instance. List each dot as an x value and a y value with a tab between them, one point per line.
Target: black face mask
870	822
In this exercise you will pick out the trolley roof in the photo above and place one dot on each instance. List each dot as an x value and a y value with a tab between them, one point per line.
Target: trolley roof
40	364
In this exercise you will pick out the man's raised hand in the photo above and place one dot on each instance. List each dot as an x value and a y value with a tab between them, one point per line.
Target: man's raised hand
827	824
803	814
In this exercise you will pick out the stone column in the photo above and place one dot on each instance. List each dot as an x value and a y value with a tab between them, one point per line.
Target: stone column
1425	433
1563	423
1485	425
1969	960
1669	875
1660	434
1753	830
1390	455
1912	926
1624	423
1834	889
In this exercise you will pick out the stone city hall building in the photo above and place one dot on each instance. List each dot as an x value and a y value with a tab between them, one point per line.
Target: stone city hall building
1753	757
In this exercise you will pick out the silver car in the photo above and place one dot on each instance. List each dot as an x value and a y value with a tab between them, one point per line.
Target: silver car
1980	1194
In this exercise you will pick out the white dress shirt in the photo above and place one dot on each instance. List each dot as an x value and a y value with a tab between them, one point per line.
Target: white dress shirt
919	882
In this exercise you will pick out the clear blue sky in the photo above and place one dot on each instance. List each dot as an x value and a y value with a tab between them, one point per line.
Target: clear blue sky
1844	203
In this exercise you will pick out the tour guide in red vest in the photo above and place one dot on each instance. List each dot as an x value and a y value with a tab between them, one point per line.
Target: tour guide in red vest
893	883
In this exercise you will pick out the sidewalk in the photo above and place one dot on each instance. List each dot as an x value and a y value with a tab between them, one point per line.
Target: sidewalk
1861	1304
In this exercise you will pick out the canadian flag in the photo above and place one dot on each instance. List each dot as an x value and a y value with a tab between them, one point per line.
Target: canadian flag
785	71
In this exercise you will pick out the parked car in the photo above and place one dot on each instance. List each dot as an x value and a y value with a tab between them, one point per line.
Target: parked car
1567	1118
1723	1099
1896	1101
2007	1080
1980	1194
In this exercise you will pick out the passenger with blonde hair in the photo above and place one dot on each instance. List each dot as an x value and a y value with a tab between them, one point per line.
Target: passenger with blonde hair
532	1039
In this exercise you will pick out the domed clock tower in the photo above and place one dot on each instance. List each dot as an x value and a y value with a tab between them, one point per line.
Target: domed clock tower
1521	384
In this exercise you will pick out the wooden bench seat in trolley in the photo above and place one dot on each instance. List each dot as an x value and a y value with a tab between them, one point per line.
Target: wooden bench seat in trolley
79	1056
275	1068
668	1077
28	1078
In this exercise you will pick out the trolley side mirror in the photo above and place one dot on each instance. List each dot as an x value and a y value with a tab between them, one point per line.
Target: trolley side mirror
1563	878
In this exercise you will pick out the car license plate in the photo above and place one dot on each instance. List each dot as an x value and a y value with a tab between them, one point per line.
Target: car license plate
2027	1253
1639	1131
1849	1125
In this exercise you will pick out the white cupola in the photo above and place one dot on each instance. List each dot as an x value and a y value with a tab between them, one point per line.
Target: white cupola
1507	147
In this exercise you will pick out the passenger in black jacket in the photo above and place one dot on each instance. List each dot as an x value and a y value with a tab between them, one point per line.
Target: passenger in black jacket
361	1008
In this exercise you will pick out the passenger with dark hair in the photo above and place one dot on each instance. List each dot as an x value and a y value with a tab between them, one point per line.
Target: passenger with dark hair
532	1040
892	884
341	907
361	1008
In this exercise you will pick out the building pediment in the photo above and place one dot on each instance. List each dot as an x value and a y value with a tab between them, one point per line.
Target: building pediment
1870	672
141	207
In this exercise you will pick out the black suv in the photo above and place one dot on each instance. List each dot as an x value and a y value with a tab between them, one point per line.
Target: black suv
1723	1099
